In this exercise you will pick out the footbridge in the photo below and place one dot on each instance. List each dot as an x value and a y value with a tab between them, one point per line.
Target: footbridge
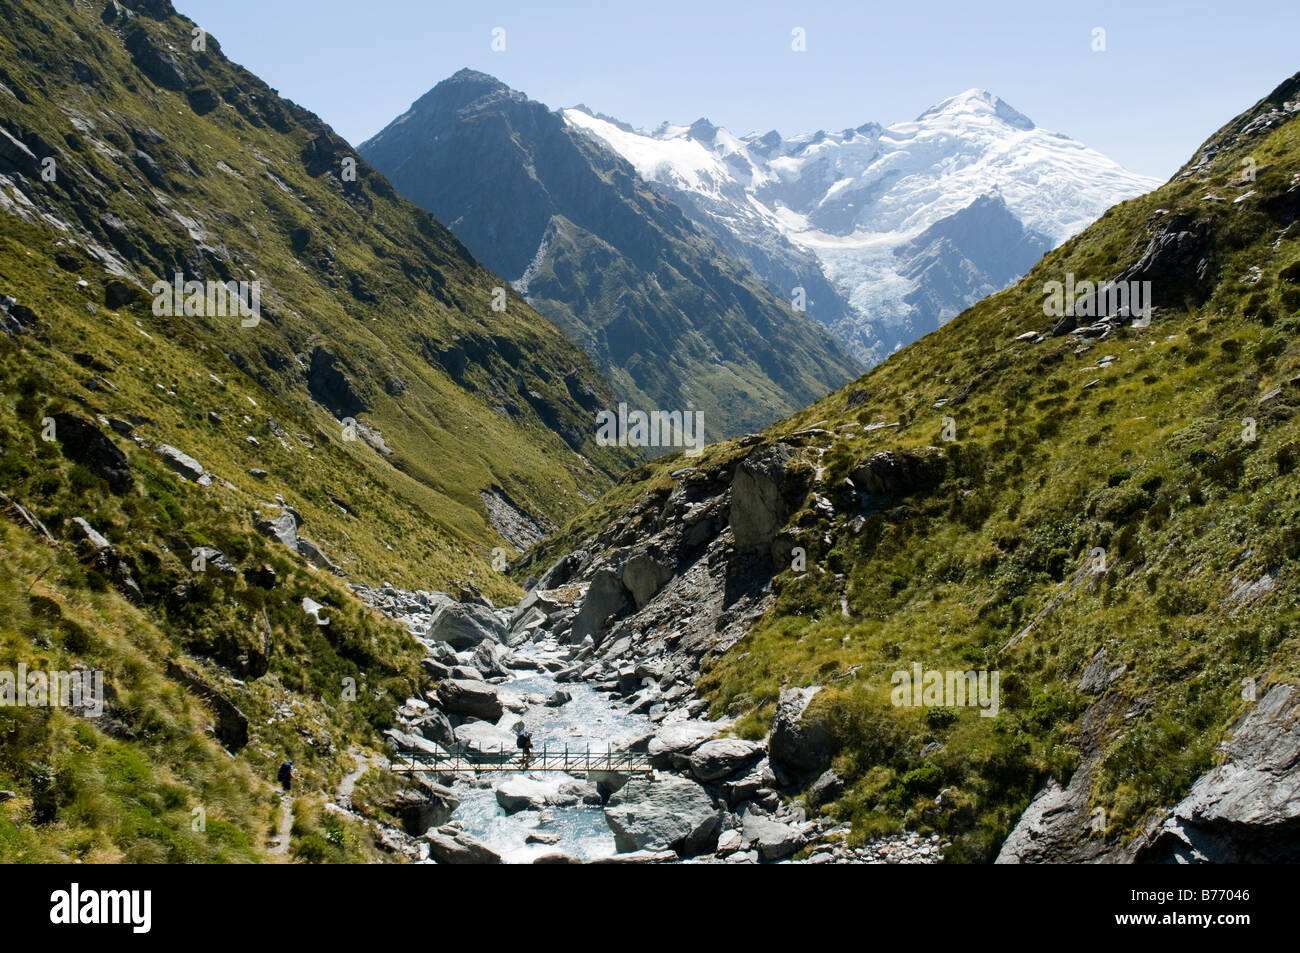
566	760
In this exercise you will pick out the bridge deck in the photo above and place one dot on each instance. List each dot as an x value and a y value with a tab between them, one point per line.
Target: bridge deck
570	762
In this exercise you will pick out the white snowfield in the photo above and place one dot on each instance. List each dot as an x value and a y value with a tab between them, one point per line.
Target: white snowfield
851	197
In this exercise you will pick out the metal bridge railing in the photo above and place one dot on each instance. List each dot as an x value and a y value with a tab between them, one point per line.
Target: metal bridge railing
479	760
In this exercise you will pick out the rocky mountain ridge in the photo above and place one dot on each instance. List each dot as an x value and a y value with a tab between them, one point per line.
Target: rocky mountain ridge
671	319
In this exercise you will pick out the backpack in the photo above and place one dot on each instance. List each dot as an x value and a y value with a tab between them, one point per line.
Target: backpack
523	741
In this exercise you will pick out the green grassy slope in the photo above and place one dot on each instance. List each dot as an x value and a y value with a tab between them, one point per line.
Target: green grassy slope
1058	452
465	397
169	159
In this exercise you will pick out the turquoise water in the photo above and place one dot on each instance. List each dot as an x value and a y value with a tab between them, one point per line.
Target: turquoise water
589	719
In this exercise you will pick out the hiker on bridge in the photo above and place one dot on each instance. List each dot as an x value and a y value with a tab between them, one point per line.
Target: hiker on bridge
525	744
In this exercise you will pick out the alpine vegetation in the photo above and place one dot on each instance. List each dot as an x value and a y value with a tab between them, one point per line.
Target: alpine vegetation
655	428
81	690
210	299
949	689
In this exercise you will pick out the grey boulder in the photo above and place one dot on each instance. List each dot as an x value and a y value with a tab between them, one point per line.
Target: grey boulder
723	757
672	745
473	699
482	738
773	840
463	625
448	845
669	813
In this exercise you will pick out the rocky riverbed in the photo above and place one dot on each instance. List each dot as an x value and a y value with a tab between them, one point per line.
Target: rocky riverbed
714	798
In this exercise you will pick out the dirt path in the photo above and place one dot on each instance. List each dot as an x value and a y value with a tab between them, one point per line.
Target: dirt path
343	796
280	846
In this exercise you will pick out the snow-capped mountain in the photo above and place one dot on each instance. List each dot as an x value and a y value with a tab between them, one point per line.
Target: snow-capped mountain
890	230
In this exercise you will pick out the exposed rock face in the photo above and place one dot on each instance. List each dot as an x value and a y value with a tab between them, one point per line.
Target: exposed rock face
231	723
644	575
153	60
423	807
1059	826
1099	676
889	473
83	530
332	388
85	443
1053	824
671	813
796	746
516	526
607	596
758	505
1175	261
17	153
1247	810
118	294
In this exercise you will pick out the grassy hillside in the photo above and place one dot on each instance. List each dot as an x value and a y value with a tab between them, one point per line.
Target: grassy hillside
371	310
1172	448
379	396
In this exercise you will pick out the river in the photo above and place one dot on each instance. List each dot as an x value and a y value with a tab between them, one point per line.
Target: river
589	718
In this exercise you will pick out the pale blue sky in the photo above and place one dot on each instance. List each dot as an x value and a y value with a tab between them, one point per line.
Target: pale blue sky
1171	74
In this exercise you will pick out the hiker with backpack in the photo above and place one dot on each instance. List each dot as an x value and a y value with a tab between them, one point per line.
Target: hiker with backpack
524	742
286	775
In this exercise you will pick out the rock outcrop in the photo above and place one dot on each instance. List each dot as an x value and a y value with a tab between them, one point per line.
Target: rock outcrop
797	745
1247	810
83	442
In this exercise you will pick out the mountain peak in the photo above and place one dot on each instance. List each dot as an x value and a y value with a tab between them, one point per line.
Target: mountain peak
703	130
476	77
462	88
978	102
